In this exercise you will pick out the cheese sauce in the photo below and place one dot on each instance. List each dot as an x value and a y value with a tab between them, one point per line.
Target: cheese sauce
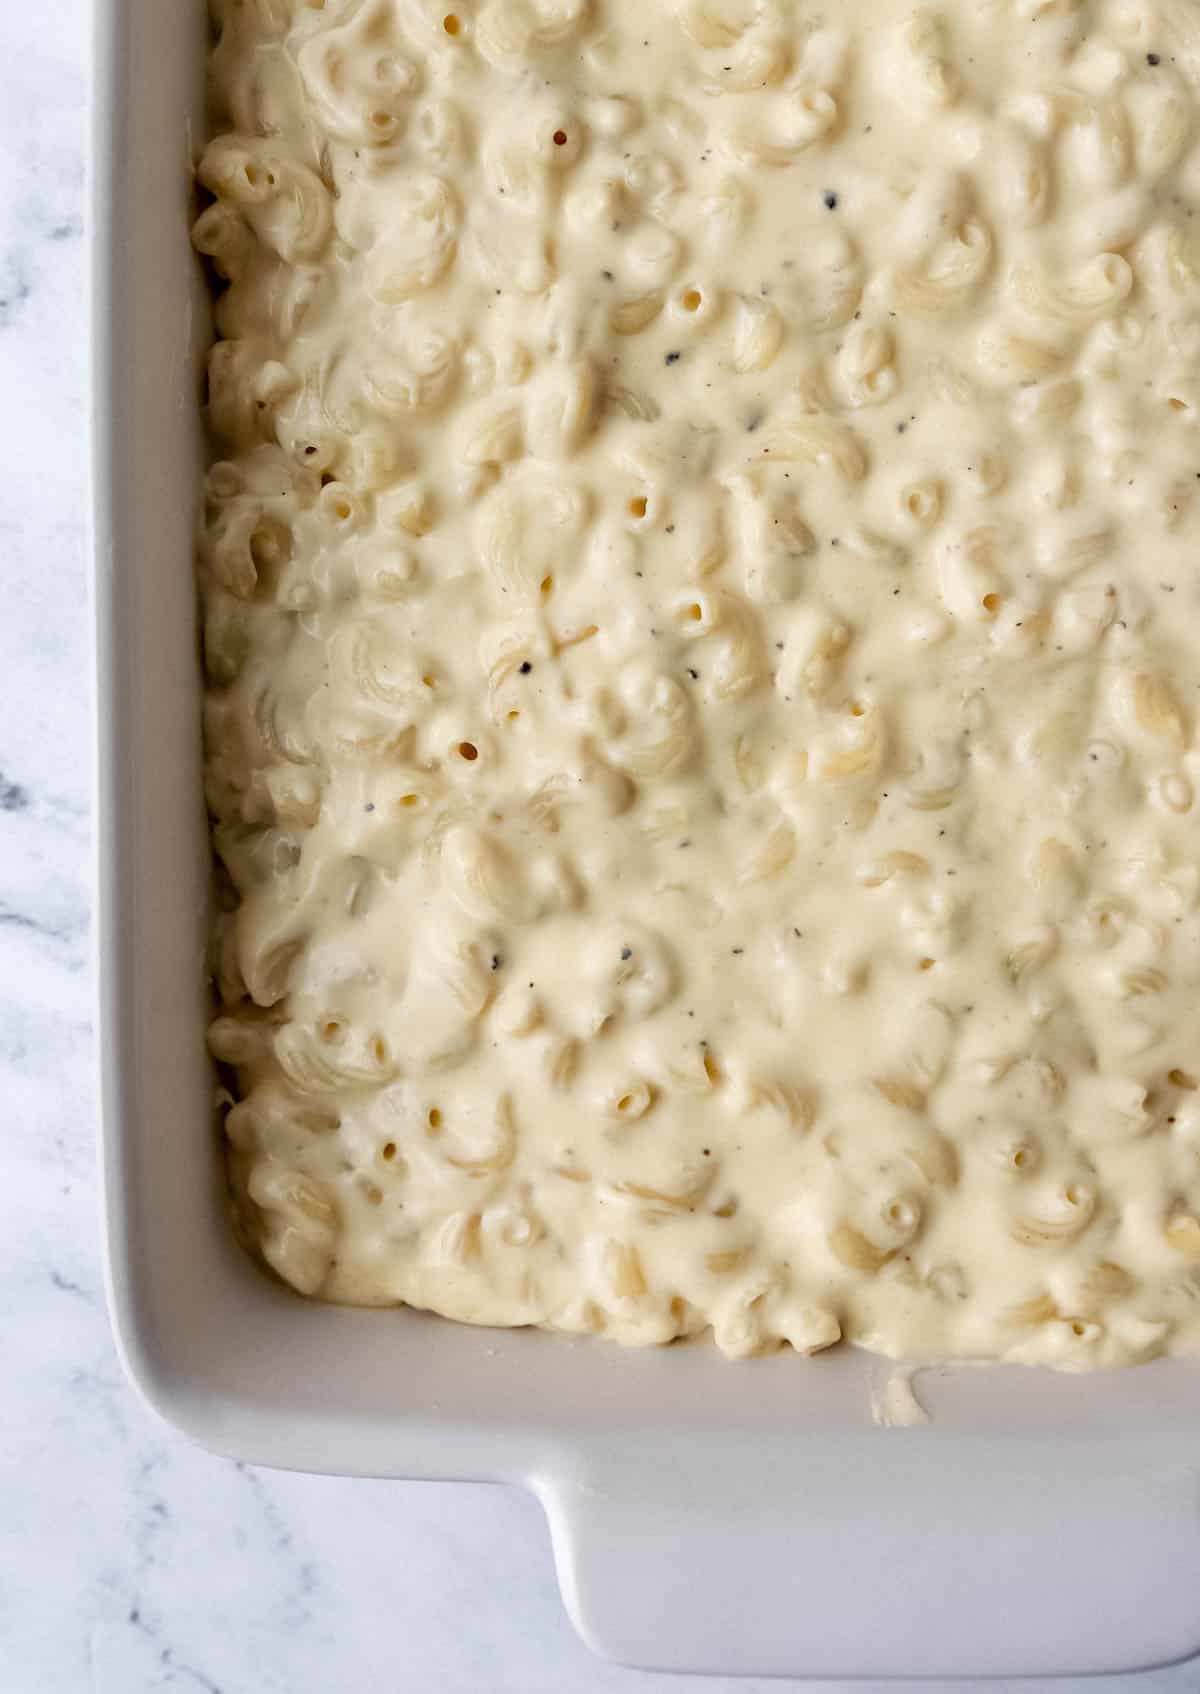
702	624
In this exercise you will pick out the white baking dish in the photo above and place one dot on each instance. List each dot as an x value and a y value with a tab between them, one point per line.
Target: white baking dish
705	1516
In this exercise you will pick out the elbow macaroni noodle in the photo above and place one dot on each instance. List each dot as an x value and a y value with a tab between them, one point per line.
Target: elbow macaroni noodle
700	628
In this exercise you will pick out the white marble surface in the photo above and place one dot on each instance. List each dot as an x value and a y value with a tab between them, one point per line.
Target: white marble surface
129	1561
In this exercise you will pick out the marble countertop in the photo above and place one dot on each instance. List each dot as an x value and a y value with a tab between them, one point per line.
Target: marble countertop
129	1560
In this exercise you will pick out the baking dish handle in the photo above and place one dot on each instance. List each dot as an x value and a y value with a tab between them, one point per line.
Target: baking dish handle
1071	1561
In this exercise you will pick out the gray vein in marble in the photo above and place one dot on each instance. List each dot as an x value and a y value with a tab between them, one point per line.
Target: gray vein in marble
39	220
14	796
16	291
305	1582
60	811
22	920
174	1667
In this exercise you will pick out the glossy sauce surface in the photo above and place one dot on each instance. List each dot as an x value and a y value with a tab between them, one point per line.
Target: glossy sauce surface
702	624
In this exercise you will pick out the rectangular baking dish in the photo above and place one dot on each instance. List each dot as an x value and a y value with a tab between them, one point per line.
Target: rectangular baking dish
705	1516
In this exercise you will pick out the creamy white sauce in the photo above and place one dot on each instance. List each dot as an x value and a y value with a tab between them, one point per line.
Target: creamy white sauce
894	1403
703	621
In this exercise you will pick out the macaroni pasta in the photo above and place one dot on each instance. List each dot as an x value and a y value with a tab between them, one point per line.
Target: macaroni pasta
700	621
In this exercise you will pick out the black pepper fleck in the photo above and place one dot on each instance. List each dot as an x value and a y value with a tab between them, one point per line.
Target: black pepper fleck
526	667
496	961
672	358
1153	59
627	952
831	201
695	675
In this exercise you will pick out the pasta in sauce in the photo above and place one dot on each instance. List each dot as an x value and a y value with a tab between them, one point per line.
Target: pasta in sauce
700	618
